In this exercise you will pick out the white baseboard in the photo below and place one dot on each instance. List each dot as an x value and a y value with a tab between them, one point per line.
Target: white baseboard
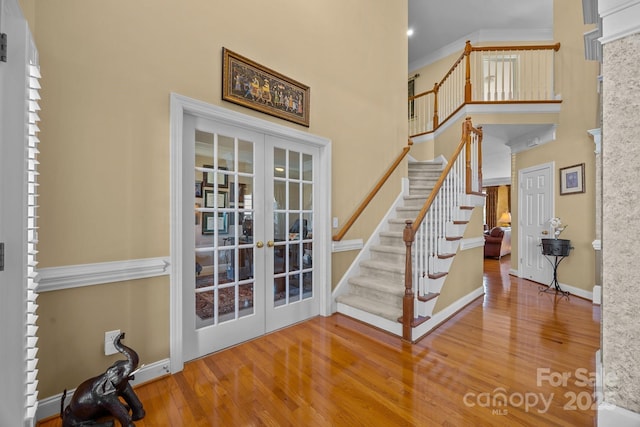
597	295
371	319
610	415
50	406
571	289
444	314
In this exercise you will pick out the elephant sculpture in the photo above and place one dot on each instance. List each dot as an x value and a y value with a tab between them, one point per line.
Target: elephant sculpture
99	397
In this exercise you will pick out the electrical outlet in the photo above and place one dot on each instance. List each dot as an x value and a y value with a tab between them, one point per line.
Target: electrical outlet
109	336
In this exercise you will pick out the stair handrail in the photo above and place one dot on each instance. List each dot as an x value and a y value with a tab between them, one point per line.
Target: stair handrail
467	128
472	182
435	105
347	225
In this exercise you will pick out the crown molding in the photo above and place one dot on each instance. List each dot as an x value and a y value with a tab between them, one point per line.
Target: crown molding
620	18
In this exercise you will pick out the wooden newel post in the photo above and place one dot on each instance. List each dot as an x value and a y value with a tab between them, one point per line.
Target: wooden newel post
467	73
407	301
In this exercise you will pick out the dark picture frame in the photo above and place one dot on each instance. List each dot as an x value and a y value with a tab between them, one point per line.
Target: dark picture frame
198	188
223	223
247	83
222	199
208	199
208	177
572	179
209	222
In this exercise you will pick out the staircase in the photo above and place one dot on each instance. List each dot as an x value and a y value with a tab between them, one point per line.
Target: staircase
375	289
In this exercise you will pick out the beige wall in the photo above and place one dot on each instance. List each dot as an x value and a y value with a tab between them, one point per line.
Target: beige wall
576	81
108	69
465	275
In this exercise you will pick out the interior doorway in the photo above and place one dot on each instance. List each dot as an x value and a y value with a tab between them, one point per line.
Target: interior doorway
534	212
251	244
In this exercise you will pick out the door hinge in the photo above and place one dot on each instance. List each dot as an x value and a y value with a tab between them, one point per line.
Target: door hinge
1	256
3	47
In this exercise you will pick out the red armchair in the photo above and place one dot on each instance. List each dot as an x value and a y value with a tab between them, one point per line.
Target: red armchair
497	242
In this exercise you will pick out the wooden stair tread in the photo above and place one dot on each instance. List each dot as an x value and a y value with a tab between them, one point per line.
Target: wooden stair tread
416	321
446	256
428	297
437	275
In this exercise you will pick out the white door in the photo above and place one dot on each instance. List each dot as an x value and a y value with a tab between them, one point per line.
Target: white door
292	174
535	211
252	271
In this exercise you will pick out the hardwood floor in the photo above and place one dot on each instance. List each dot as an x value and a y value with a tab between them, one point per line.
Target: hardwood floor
500	361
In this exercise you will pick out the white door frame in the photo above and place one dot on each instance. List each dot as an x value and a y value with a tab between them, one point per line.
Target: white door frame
181	105
521	173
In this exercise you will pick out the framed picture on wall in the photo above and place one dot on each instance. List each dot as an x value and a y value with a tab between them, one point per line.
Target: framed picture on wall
198	188
223	178
208	199
208	222
247	83
223	223
207	177
222	199
572	179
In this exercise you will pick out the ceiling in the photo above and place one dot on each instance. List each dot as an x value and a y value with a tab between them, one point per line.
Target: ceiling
442	27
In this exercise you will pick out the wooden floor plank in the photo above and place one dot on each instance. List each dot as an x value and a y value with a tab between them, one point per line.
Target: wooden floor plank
499	361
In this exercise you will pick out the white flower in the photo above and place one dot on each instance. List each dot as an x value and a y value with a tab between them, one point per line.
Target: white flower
556	224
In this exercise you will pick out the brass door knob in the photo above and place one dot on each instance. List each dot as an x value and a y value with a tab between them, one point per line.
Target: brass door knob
545	232
270	243
259	244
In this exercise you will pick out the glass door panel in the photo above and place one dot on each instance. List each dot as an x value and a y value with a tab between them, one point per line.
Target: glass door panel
292	191
223	305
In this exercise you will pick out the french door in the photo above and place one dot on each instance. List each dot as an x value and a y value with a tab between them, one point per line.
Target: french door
247	232
535	211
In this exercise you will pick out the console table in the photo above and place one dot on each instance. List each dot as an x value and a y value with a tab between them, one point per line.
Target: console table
559	249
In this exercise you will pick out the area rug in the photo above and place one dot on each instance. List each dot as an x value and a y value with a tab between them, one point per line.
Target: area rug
226	298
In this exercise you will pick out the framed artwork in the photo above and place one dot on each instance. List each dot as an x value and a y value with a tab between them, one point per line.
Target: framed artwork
207	177
198	188
572	179
208	199
208	222
255	86
223	178
223	223
222	199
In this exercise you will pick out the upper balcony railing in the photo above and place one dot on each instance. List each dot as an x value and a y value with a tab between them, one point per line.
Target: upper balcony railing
486	75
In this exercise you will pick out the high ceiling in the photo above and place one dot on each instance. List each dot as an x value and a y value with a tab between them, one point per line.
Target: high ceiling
442	27
437	24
